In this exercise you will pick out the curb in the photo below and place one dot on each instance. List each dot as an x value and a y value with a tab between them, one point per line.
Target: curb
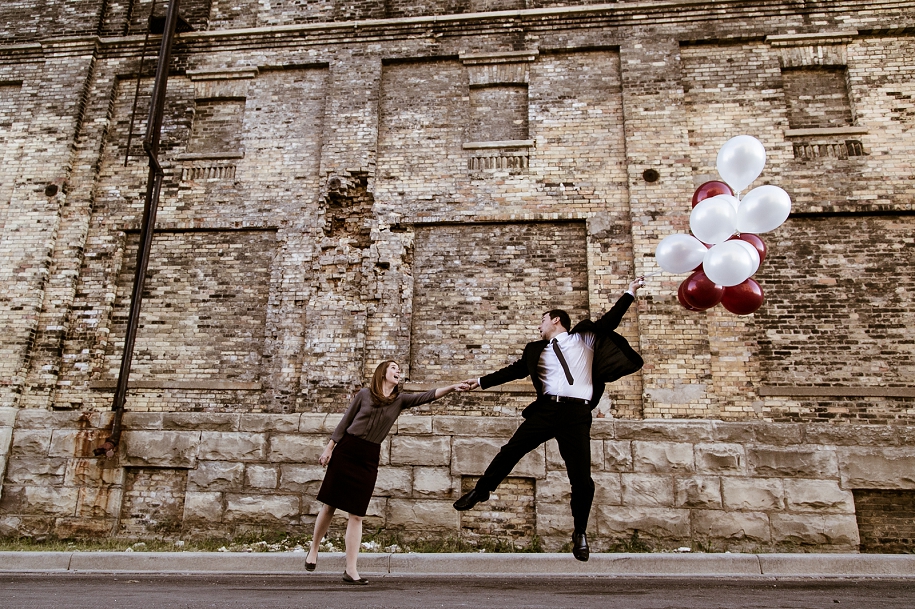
478	565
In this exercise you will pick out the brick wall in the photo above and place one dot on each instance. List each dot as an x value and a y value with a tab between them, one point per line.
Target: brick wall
494	282
203	315
335	196
885	520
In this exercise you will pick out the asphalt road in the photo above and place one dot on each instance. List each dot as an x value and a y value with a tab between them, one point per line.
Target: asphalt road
106	591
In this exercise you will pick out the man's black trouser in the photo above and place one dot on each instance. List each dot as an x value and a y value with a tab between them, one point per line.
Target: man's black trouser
570	424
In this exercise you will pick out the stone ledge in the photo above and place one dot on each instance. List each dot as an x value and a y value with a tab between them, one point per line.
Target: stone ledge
500	144
826	131
222	74
209	156
580	12
186	385
504	57
814	38
836	391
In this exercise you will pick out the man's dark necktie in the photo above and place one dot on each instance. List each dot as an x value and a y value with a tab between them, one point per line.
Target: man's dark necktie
562	361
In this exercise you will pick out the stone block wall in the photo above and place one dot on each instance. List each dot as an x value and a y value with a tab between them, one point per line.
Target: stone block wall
713	485
420	183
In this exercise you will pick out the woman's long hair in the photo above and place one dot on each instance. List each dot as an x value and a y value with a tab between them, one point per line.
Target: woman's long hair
377	386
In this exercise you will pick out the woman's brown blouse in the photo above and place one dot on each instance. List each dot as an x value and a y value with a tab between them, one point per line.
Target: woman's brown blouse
365	420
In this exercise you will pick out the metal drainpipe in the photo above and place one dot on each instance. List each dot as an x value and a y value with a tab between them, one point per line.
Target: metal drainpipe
153	189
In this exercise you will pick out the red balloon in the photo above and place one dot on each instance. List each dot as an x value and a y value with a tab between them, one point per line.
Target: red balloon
682	298
756	242
709	190
700	292
743	298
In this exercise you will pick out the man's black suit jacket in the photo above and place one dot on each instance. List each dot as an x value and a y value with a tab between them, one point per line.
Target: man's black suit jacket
613	357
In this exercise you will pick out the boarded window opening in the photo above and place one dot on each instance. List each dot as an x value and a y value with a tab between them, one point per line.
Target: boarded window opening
509	512
817	97
886	520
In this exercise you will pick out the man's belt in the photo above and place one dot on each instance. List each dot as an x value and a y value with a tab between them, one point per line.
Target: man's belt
566	399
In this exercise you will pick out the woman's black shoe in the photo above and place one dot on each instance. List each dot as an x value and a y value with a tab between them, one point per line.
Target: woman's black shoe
310	566
356	582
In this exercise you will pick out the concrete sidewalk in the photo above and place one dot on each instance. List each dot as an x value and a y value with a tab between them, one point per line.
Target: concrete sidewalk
481	565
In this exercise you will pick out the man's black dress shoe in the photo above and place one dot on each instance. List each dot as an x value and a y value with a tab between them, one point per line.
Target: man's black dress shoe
468	500
357	582
580	548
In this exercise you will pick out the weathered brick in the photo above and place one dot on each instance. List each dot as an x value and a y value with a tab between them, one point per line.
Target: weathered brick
720	458
434	482
160	448
394	482
662	457
261	509
815	462
216	476
288	447
203	506
752	527
422	515
471	458
261	476
420	450
839	530
753	494
232	446
822	496
654	522
697	492
887	468
647	489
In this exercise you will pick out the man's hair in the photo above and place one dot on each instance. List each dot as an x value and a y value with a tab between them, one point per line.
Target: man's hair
563	317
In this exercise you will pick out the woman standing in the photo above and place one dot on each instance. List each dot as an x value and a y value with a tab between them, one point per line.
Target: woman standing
355	446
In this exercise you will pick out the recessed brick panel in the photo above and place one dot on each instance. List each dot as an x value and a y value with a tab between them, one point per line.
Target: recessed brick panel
838	310
886	520
817	97
204	307
480	291
217	126
153	502
508	513
498	112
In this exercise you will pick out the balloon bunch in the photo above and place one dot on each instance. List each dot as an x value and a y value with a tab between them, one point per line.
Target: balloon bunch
724	251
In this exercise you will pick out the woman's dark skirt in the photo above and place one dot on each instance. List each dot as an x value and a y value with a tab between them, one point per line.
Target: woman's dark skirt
351	474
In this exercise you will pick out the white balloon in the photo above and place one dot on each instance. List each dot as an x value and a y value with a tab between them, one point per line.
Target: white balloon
741	160
754	254
734	201
680	253
728	264
763	209
713	220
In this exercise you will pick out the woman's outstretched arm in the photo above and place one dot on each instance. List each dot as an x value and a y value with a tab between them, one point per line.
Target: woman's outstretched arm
462	386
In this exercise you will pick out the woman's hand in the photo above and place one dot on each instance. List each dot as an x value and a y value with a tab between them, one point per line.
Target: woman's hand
324	459
461	386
